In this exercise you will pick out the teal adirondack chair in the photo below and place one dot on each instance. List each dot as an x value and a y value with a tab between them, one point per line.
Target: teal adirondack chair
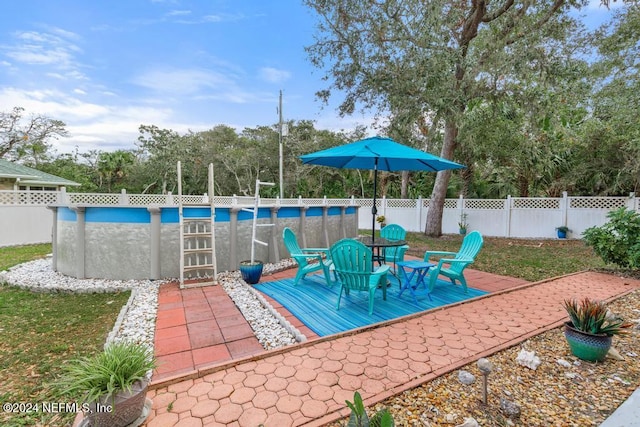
454	266
353	262
394	232
309	259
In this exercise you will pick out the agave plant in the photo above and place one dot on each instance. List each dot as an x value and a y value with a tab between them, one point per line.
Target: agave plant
591	317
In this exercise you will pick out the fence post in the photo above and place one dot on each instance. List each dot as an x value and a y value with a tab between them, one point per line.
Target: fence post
383	206
632	203
564	207
124	198
507	225
419	213
169	198
62	196
461	209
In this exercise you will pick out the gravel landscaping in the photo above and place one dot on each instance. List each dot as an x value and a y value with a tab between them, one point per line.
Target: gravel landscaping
561	391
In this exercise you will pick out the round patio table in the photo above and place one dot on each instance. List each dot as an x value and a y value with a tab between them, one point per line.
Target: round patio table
378	246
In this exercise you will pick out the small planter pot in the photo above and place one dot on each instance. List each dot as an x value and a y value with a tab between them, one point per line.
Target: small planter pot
562	234
123	409
462	231
593	348
251	271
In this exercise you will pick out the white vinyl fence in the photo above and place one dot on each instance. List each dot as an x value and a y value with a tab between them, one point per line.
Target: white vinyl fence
25	219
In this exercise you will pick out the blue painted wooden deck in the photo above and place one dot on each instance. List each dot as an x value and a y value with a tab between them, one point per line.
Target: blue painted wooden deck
314	303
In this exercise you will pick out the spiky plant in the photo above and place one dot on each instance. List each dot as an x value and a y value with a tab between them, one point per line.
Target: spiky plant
591	317
116	369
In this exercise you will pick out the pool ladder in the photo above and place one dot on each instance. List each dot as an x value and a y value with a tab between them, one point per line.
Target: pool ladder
198	265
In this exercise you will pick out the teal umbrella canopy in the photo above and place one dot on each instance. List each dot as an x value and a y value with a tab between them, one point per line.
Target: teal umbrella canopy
378	153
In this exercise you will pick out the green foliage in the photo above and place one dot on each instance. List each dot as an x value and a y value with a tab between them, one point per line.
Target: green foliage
116	369
618	241
359	417
591	317
46	330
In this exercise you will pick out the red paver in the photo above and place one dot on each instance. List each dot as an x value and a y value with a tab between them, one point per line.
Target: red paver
307	384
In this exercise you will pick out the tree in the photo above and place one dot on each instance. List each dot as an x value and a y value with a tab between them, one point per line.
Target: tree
418	58
113	168
616	107
27	137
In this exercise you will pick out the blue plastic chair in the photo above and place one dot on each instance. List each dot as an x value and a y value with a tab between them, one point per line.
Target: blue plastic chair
394	232
453	267
353	262
309	259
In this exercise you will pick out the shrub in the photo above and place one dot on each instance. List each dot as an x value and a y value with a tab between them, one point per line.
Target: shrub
618	241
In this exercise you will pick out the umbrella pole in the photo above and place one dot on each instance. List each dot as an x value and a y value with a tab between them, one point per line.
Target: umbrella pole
374	209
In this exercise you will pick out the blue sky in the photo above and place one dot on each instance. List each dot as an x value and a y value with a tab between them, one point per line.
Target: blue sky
106	66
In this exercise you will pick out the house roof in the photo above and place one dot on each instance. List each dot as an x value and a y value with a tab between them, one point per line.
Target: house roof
30	176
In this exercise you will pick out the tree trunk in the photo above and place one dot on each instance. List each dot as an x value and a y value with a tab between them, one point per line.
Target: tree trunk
467	177
404	184
436	204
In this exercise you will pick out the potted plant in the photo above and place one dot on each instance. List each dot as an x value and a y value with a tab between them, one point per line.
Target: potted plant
462	224
590	329
562	231
381	220
112	384
251	270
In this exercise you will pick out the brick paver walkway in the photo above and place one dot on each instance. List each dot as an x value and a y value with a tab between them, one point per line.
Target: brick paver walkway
308	383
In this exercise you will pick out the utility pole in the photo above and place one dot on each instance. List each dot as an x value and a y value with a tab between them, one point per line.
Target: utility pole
280	146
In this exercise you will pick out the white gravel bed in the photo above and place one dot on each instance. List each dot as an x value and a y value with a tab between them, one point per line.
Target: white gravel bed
136	321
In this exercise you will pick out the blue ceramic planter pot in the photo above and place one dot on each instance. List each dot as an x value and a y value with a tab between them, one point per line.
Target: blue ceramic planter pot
251	272
562	234
593	348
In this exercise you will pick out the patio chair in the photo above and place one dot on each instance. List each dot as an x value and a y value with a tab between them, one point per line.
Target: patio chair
309	259
454	266
352	261
394	232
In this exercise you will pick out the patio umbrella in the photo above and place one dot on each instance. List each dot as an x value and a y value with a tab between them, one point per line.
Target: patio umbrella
375	154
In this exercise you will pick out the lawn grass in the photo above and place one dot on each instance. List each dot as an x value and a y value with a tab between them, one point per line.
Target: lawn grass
39	332
528	259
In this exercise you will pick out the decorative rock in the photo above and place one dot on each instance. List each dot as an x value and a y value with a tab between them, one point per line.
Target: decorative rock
564	363
509	408
617	378
466	378
528	359
136	321
469	422
485	366
614	354
450	418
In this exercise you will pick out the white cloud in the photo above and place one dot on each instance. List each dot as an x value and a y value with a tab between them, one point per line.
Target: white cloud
182	81
179	13
42	48
273	75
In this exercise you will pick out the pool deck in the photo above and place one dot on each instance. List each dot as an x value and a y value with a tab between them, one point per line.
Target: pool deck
213	371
